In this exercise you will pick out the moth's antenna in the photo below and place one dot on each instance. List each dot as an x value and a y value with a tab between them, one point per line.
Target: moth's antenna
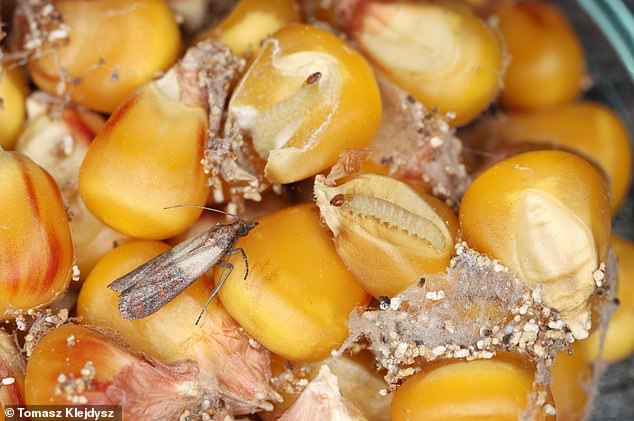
205	208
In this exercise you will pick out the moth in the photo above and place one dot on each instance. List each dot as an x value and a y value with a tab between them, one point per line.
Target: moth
149	287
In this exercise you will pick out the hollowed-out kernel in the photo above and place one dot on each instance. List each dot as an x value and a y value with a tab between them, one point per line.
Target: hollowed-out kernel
36	250
545	215
12	101
222	352
146	158
358	380
78	365
114	47
547	63
387	234
306	97
482	389
589	128
447	58
619	338
250	22
298	295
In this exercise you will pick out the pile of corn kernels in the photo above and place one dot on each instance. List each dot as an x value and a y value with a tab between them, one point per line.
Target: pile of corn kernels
409	210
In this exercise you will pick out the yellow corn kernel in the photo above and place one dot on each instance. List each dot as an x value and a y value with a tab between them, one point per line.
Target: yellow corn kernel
12	102
447	58
547	63
36	250
298	295
222	352
306	97
588	128
546	215
494	390
251	22
572	383
77	365
386	233
619	339
11	373
114	47
147	157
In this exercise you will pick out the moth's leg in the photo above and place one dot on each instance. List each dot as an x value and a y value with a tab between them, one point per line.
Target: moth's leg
226	271
244	257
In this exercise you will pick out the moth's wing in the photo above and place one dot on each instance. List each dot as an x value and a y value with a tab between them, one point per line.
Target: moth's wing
150	288
160	263
148	295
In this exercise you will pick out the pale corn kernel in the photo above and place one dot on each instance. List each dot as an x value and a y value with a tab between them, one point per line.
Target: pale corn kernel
386	233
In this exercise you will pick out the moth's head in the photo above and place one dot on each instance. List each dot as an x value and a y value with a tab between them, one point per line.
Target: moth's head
245	226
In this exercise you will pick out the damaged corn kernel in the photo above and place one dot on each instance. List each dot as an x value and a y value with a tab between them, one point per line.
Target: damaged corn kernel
445	57
306	97
547	63
250	22
298	295
110	48
494	389
12	102
36	250
546	216
386	233
322	400
75	365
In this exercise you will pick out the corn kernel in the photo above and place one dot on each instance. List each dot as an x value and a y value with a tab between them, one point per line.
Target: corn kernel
619	338
588	128
387	234
547	63
11	373
147	157
445	57
298	295
545	215
481	389
222	352
114	47
572	382
251	22
36	250
357	379
12	102
306	97
77	365
322	400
